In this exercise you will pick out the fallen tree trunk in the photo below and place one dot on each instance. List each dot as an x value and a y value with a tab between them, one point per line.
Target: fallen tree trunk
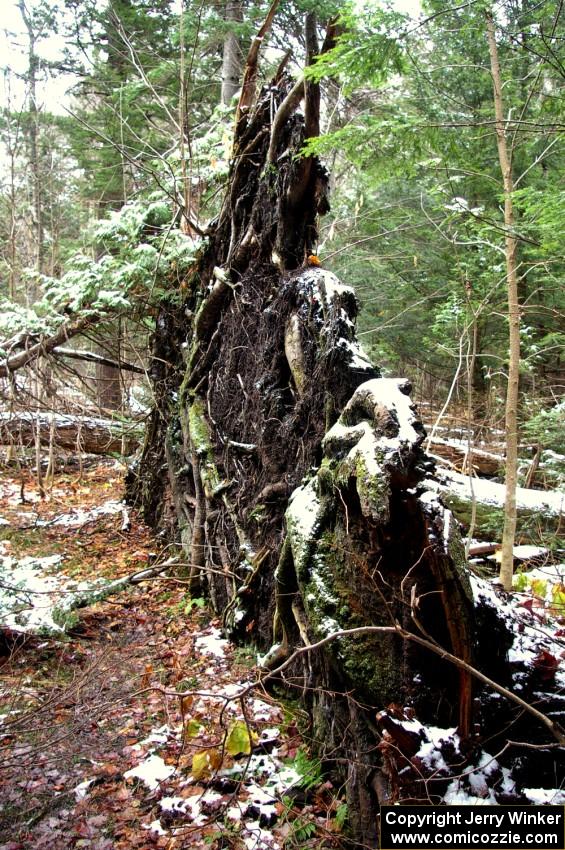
537	510
36	345
275	397
476	461
72	433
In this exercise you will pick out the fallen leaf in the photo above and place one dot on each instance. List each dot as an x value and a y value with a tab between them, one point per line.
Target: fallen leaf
205	762
238	741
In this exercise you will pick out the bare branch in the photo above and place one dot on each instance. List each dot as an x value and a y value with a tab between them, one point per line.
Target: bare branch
47	344
92	357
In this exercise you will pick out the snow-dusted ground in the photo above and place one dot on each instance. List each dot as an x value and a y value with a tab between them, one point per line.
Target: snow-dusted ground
75	518
35	598
534	633
261	778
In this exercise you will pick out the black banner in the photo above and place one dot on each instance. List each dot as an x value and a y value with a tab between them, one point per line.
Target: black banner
472	827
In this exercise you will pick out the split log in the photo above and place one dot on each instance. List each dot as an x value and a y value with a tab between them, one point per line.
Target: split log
72	433
457	453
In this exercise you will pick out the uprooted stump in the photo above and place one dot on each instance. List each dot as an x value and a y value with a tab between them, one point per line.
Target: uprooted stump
367	548
292	478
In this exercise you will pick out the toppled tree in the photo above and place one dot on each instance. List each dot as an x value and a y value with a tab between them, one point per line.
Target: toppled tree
291	475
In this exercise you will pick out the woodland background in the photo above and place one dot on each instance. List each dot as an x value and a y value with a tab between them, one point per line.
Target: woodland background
130	280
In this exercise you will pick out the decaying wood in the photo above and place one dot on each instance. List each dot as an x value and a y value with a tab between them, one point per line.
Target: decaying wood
249	85
480	461
90	435
477	549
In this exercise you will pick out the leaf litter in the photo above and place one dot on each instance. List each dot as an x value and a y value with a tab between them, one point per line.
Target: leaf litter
139	728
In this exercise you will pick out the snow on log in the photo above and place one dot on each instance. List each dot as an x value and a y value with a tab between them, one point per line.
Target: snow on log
87	434
544	508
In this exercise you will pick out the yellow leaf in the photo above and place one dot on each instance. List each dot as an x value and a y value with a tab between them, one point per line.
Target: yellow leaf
238	740
205	762
539	587
558	597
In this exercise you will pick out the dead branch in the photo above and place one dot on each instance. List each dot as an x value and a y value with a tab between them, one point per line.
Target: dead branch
46	344
92	357
553	726
249	85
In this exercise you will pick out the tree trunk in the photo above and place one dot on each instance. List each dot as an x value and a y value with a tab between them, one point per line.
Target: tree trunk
33	140
108	375
232	64
511	246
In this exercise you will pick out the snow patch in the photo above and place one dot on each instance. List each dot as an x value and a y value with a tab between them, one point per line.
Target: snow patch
81	790
526	553
212	643
191	805
358	359
155	826
303	510
79	516
545	796
152	771
34	600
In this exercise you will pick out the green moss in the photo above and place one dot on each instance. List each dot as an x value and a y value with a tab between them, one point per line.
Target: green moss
373	490
198	428
258	514
327	476
201	442
332	599
372	667
65	619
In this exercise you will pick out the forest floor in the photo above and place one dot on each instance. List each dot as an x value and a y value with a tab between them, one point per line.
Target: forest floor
139	728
